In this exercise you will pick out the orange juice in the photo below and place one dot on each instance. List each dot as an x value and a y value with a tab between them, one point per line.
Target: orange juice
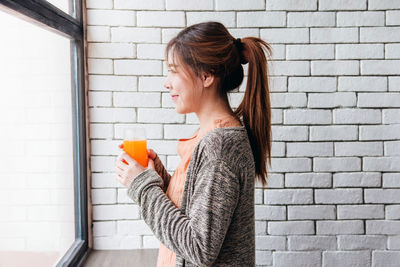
137	149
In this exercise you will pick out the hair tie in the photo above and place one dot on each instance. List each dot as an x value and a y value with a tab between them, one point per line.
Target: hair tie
239	44
240	47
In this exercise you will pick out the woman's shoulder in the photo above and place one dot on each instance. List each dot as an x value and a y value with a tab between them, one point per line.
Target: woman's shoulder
227	143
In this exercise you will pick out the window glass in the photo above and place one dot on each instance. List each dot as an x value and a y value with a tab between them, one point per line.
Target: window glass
36	157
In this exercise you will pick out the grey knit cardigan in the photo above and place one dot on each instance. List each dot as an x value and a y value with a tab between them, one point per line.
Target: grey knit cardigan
215	223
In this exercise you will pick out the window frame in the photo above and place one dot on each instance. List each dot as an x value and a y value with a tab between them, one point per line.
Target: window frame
46	15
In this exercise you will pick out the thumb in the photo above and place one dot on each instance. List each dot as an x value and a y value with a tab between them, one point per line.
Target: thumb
151	164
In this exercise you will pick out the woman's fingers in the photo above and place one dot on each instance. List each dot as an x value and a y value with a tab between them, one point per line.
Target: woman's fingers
151	154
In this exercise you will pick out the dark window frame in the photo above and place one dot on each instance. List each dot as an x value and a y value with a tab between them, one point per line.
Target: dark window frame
46	15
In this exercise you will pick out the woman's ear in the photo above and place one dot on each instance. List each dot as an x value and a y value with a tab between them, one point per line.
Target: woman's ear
207	79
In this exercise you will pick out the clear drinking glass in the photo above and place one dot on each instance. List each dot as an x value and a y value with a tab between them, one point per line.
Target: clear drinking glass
135	144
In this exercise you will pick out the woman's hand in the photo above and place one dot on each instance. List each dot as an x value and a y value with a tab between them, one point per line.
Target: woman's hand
127	169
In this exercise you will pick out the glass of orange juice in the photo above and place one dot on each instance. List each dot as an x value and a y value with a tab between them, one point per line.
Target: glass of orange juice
135	144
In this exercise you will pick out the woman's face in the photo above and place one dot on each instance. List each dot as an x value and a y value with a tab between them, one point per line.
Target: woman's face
184	90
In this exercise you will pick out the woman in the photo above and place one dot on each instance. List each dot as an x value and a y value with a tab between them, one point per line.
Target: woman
204	213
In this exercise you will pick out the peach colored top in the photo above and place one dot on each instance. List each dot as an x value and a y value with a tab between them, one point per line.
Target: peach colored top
166	257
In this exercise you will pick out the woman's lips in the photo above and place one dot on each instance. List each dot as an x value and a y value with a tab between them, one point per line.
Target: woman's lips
174	97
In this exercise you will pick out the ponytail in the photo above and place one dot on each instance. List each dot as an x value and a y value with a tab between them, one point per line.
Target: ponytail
255	108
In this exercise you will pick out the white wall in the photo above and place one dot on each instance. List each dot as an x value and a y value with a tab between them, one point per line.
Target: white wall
333	195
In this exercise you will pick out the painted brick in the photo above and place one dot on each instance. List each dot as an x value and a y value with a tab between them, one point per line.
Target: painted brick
312	84
104	4
278	149
311	242
154	115
139	35
334	35
346	258
342	5
104	228
152	84
392	212
370	18
337	67
291	164
361	242
112	114
289	133
304	116
115	212
268	213
311	19
340	227
380	132
239	5
263	257
111	50
383	4
151	242
133	228
261	19
386	196
315	212
101	131
337	164
271	242
100	99
164	18
383	67
360	212
392	51
393	17
179	131
338	196
357	116
394	242
151	51
285	35
333	133
391	180
379	34
291	5
291	228
288	196
111	17
360	84
326	51
286	100
126	99
139	5
306	259
381	164
309	149
385	258
153	131
358	149
308	180
332	100
137	67
278	84
189	5
100	66
359	51
381	227
357	179
112	83
394	83
98	34
295	68
226	18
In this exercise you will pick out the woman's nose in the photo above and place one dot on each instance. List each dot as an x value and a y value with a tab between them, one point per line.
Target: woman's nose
167	84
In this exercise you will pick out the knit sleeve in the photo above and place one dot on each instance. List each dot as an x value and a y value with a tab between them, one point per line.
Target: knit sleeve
198	235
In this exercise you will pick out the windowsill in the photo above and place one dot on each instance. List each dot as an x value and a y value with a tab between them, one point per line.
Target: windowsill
122	258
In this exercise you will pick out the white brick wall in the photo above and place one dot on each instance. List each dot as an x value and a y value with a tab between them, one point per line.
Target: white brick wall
333	192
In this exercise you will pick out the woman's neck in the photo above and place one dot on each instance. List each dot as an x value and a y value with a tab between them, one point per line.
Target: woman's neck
211	110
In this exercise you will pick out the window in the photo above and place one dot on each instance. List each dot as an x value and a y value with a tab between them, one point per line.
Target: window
43	166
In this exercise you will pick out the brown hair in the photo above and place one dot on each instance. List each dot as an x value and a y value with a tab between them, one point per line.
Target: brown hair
209	47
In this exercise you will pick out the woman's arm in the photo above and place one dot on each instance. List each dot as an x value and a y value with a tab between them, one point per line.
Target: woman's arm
198	235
